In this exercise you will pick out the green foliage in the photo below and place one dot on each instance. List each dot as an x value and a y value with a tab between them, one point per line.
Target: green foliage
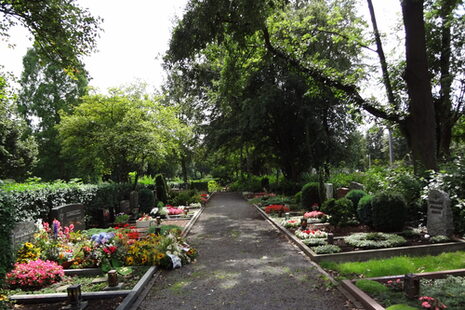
344	179
298	197
161	188
449	291
311	194
265	183
112	135
374	240
389	211
340	211
62	30
371	287
7	207
201	186
213	186
165	229
183	198
401	307
400	265
326	249
364	210
146	200
18	149
122	218
355	195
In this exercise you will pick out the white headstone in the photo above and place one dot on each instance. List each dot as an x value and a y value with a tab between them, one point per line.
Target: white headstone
329	190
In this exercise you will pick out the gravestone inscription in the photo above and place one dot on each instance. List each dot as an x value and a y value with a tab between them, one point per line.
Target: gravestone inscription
70	214
440	221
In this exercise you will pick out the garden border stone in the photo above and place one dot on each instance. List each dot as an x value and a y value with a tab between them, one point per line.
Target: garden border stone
371	304
363	255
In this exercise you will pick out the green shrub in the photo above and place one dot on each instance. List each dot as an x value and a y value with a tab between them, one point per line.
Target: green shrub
401	307
165	229
364	210
183	198
389	211
310	195
7	224
298	197
146	200
355	195
213	186
162	188
340	211
286	187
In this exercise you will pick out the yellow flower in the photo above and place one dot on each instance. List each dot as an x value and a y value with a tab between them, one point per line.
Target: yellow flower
161	256
130	260
144	259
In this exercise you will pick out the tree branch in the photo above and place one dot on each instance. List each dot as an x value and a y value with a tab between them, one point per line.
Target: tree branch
350	90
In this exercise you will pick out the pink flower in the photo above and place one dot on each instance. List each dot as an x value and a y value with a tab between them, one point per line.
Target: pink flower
425	304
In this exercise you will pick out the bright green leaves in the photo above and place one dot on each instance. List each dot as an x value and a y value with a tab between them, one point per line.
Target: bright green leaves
120	132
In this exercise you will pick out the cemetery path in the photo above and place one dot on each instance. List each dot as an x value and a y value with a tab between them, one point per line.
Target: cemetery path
243	263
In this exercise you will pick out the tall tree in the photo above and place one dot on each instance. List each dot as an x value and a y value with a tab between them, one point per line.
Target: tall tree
111	135
18	149
212	21
46	89
63	31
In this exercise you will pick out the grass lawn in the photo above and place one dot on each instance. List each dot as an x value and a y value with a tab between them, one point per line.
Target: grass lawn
398	265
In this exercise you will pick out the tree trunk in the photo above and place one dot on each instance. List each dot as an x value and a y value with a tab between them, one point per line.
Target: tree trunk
420	125
184	168
444	115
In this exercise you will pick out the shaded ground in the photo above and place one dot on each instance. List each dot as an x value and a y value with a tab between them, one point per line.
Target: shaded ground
244	263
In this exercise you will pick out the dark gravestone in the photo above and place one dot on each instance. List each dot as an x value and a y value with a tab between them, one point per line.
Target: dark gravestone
124	206
440	220
70	214
22	232
134	200
341	192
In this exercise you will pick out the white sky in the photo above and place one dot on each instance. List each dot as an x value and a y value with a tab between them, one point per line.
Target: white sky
136	34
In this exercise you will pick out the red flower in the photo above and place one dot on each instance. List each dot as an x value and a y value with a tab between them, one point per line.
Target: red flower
276	208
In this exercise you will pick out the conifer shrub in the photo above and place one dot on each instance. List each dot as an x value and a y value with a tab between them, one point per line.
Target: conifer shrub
364	210
162	188
389	211
310	195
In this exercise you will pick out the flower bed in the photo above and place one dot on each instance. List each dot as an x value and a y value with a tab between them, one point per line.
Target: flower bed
437	290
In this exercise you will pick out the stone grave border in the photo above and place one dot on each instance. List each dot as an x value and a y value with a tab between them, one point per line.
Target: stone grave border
363	255
138	292
371	304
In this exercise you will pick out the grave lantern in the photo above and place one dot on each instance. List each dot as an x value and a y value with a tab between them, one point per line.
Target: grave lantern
158	220
303	223
330	238
287	215
112	278
411	286
75	298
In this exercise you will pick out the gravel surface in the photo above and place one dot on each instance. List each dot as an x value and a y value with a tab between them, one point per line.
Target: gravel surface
243	263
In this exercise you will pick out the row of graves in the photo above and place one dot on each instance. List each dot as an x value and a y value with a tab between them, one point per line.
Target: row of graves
327	243
62	264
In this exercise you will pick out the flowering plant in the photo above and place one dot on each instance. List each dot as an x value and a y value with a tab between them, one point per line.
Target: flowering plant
27	252
311	233
396	285
35	274
431	303
291	223
276	208
173	210
144	218
314	214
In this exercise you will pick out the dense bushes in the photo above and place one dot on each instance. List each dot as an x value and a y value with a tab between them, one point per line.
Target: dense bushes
355	195
311	194
7	224
389	211
201	186
340	211
364	210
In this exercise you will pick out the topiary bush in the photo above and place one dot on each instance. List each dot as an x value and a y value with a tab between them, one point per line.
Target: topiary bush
389	212
310	195
146	200
355	195
364	210
340	211
162	188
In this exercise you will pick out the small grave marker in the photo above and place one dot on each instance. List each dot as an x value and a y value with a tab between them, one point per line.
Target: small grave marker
329	190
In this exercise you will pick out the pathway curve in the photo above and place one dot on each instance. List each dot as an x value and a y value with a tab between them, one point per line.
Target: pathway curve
244	263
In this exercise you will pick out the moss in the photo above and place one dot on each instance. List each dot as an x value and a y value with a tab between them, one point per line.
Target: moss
371	287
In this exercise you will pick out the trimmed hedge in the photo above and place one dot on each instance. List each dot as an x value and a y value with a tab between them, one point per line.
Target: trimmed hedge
355	195
389	211
310	195
340	211
364	210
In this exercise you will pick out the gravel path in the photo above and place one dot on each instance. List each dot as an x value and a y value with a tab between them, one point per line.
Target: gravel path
244	263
